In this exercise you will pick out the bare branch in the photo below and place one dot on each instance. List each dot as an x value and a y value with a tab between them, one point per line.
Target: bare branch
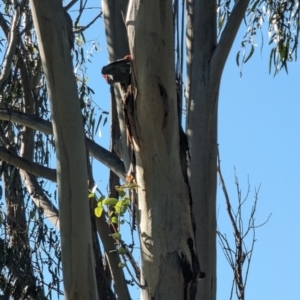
31	121
104	156
241	252
22	163
109	159
70	4
83	28
11	50
39	198
228	204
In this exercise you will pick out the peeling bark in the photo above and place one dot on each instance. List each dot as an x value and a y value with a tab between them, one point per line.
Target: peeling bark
164	212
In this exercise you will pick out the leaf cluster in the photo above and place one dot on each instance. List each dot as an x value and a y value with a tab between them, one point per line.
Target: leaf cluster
282	18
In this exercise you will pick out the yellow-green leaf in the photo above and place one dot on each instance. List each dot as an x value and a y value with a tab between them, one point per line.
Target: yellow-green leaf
116	235
110	201
133	185
122	193
92	195
98	211
119	188
114	220
120	207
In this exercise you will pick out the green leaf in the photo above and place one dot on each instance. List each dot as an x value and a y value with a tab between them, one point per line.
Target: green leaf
122	193
104	122
132	185
122	250
99	121
120	188
114	220
110	201
121	207
282	50
116	235
250	54
254	5
126	202
98	211
121	265
221	21
270	61
238	58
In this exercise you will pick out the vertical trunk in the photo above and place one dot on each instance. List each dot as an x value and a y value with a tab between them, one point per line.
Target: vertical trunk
77	253
117	47
205	63
202	98
164	216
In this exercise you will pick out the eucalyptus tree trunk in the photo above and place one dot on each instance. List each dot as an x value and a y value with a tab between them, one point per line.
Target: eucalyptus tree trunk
77	250
205	62
164	211
201	128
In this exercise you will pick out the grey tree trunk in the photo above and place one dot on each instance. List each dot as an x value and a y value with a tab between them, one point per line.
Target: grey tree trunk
201	128
164	212
77	252
205	62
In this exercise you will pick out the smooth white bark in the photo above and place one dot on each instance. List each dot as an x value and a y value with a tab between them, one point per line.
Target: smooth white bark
77	250
164	214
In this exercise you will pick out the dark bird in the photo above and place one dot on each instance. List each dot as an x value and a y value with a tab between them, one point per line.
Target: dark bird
118	71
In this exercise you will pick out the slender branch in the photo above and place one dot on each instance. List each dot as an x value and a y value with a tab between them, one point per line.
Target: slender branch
24	164
83	28
112	161
11	49
109	159
228	205
226	248
241	253
249	256
31	121
39	198
70	4
227	37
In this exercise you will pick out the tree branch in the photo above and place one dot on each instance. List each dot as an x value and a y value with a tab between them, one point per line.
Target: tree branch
31	121
24	164
227	37
112	161
40	199
101	154
11	49
70	4
83	28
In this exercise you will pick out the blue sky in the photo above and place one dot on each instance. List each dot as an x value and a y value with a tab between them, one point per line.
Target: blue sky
259	136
